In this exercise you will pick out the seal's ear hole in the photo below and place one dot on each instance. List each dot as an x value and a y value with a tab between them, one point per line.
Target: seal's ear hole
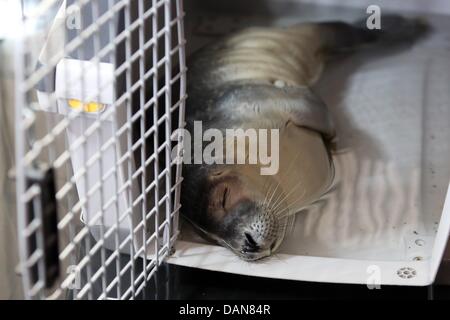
218	173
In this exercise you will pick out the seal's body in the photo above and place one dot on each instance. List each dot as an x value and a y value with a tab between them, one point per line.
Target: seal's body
261	78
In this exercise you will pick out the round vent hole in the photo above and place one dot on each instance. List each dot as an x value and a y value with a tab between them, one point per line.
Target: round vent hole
406	273
420	242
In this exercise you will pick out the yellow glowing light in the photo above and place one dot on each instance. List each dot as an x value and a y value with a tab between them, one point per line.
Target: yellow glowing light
75	104
86	107
93	107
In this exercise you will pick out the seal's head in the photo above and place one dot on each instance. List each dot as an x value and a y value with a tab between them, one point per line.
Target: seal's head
238	208
231	210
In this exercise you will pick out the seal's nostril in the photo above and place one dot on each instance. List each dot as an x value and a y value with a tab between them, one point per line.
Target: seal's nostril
250	239
250	243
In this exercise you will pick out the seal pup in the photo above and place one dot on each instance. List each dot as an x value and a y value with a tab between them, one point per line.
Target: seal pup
261	78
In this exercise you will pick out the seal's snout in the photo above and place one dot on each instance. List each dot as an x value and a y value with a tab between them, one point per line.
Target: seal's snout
259	236
264	227
256	244
255	247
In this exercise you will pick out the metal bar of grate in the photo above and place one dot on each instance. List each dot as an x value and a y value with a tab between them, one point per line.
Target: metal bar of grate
97	105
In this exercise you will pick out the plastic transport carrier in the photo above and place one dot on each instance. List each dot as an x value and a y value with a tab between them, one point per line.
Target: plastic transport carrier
97	107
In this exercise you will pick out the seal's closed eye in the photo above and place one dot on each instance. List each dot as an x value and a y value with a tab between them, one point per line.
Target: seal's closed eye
225	193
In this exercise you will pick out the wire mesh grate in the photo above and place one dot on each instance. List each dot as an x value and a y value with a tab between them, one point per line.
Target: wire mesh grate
100	89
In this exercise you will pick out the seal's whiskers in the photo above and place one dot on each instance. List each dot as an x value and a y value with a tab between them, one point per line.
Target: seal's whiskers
277	200
294	189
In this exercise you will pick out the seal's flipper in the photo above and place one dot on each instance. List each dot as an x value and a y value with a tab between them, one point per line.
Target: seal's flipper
279	103
310	111
394	30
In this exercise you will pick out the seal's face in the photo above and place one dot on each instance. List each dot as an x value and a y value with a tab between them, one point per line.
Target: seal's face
234	215
249	213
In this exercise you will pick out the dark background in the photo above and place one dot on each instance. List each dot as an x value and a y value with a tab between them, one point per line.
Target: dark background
174	282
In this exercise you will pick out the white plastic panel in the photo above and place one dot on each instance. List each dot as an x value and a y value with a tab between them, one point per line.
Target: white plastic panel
392	112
